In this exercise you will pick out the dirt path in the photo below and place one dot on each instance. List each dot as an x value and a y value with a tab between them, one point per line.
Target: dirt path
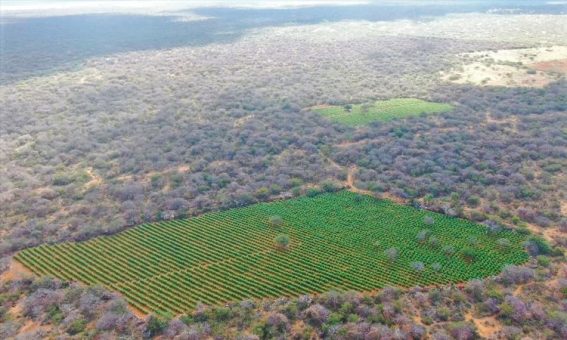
344	145
549	234
352	170
95	181
350	182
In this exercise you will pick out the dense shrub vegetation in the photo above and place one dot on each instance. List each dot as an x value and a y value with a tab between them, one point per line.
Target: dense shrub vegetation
522	301
144	136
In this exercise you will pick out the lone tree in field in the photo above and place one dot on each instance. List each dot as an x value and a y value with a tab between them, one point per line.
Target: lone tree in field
417	266
436	267
449	250
282	241
275	221
433	242
503	243
469	254
422	235
473	241
428	220
392	254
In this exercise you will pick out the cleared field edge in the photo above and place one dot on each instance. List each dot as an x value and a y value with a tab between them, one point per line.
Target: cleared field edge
384	110
43	263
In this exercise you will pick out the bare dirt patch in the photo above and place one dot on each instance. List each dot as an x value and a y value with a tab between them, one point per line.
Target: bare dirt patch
137	313
521	55
498	75
487	327
554	66
241	121
16	271
526	67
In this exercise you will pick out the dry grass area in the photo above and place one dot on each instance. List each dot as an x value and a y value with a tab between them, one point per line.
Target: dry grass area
564	208
487	327
525	67
522	55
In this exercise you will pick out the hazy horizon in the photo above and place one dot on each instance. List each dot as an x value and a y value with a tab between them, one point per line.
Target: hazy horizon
62	7
33	8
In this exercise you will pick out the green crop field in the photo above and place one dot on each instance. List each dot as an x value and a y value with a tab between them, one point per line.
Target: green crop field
384	110
337	241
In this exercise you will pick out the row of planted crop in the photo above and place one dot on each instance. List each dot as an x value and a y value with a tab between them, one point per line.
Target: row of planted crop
365	287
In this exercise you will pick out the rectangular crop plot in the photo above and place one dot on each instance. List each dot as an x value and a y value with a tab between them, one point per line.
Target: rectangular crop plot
384	110
338	240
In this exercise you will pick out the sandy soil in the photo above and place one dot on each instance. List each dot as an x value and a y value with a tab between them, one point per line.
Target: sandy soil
526	67
31	327
487	327
137	313
523	55
16	271
499	75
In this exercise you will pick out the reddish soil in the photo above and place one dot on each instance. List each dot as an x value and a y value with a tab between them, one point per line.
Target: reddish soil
31	327
16	271
137	313
487	327
554	66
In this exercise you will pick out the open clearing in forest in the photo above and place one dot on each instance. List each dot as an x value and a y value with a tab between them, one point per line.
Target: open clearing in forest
383	110
524	67
337	240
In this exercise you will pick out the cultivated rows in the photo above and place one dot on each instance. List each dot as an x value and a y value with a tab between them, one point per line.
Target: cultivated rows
337	241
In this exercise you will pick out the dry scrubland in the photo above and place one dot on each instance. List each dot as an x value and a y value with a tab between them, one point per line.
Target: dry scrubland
523	67
153	135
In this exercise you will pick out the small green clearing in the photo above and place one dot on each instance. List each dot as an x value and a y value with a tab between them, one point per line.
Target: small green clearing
384	110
